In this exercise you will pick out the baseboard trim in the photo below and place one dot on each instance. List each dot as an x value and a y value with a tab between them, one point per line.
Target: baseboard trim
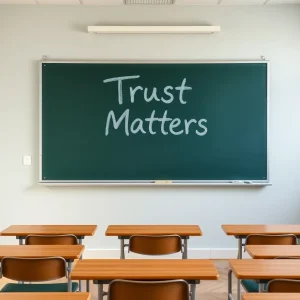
204	253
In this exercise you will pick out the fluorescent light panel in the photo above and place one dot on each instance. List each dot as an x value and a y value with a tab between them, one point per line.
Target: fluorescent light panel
59	2
243	2
153	29
17	2
149	2
196	2
102	2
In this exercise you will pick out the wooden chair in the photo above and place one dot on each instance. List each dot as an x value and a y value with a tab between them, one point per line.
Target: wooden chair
35	270
284	286
251	286
263	239
155	244
66	239
148	290
63	239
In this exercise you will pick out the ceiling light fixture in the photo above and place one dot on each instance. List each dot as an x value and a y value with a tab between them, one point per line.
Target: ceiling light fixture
154	29
149	2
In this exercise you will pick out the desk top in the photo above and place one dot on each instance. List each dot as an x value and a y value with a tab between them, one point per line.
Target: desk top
129	230
244	230
144	269
272	251
265	269
65	251
24	230
270	296
45	296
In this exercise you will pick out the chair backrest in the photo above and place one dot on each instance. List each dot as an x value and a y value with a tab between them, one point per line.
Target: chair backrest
155	244
284	286
263	239
33	269
66	239
148	290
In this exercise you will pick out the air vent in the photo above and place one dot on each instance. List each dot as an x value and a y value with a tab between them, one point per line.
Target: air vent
149	2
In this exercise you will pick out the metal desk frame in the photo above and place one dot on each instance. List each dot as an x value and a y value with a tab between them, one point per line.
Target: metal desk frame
261	284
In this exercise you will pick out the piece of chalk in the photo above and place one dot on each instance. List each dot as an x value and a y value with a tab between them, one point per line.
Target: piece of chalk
163	181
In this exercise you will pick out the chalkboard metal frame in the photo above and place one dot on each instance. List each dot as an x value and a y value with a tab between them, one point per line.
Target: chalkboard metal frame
227	183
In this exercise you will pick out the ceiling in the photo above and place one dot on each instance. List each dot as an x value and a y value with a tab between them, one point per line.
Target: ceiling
177	2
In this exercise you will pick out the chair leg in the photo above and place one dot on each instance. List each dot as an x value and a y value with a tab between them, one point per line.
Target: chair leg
260	287
193	292
69	269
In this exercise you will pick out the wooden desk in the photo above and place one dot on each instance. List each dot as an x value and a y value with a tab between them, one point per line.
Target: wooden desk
104	270
273	251
45	296
126	231
21	231
68	252
263	270
129	230
245	230
270	296
241	231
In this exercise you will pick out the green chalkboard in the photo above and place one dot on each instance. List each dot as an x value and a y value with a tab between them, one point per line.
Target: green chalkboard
154	121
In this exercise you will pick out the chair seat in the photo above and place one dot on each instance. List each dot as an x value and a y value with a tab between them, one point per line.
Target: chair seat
250	286
48	287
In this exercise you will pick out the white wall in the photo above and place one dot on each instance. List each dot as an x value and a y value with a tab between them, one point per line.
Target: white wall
29	32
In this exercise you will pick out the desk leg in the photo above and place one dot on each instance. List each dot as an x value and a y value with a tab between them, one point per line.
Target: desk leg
100	291
260	287
80	243
87	285
230	296
69	269
193	291
122	249
240	256
185	248
20	238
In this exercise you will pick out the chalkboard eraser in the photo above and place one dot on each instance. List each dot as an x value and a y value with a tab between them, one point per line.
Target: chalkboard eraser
163	181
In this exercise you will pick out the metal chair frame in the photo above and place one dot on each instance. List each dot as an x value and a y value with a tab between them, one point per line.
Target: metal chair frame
148	282
154	236
269	235
51	236
36	259
282	280
67	268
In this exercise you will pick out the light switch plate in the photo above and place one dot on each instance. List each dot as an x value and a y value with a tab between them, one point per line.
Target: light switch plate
27	160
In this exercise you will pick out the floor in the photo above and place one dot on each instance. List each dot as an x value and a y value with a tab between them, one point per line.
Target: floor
206	290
